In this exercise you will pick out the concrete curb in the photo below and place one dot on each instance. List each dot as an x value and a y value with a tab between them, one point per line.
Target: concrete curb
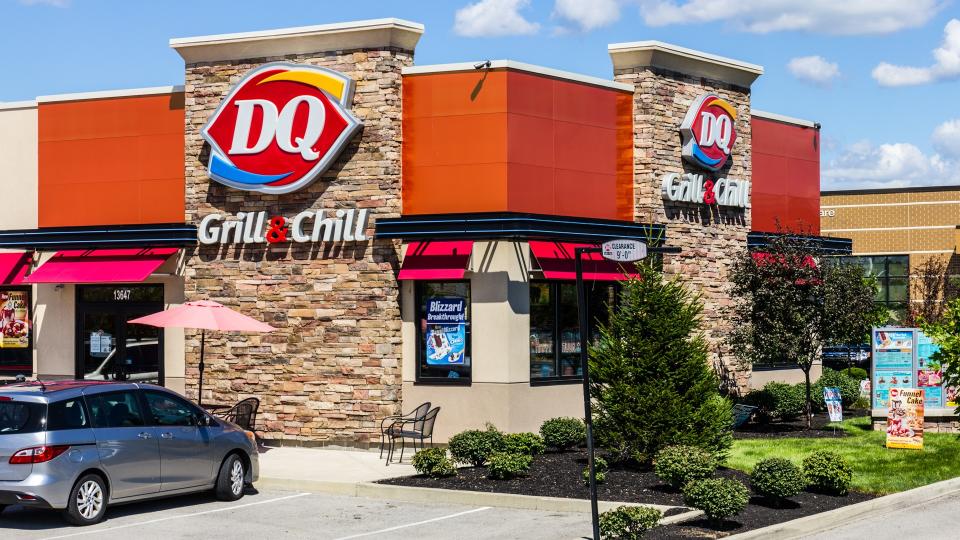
817	523
372	490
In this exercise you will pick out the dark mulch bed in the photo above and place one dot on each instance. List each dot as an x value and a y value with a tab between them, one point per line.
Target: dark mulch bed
796	428
559	475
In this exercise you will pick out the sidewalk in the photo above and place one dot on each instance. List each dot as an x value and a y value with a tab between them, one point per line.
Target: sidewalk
328	465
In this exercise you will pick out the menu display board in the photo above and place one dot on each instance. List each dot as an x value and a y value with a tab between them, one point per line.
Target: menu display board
905	418
902	359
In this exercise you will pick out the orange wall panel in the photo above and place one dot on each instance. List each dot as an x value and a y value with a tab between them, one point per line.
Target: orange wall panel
114	161
514	141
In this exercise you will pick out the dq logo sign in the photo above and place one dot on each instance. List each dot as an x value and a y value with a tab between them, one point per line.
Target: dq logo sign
280	128
709	132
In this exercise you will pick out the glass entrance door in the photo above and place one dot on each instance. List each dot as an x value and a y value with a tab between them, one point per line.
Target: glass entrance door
110	349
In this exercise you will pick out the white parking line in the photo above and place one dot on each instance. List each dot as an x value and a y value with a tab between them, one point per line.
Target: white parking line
441	518
158	520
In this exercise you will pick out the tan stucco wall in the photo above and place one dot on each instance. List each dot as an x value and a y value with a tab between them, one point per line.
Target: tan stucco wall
791	376
18	176
500	392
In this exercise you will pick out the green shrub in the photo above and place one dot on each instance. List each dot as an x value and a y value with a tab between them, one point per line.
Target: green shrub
651	380
504	466
849	388
628	522
679	465
777	479
719	498
778	401
433	462
856	373
827	472
524	443
474	446
563	433
601	467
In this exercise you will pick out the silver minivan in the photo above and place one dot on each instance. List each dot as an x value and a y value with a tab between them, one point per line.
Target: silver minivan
79	446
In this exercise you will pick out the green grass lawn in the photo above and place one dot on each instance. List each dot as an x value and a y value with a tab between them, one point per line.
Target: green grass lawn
876	469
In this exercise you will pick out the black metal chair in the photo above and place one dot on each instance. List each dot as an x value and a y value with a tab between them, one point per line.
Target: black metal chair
420	430
244	413
391	421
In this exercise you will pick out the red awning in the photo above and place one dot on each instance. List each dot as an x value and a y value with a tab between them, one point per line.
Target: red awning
13	267
557	262
436	260
101	265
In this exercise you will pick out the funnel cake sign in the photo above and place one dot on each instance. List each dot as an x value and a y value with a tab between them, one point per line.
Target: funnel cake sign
709	132
280	128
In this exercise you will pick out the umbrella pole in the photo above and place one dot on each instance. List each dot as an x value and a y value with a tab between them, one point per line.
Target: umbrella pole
203	341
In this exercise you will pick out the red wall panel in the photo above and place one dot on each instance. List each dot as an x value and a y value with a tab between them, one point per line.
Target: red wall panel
786	177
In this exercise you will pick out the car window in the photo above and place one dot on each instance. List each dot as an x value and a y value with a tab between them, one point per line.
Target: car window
168	410
68	414
115	409
20	417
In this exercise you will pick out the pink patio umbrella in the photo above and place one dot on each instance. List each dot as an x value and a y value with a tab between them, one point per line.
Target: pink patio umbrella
203	315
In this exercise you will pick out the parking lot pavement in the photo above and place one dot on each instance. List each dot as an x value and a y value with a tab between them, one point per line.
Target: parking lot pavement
273	514
938	518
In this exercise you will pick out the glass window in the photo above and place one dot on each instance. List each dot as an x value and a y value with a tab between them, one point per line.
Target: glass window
16	331
555	326
115	409
67	414
892	274
20	417
443	336
168	410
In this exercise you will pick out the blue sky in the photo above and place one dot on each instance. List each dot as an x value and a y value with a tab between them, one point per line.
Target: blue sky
866	70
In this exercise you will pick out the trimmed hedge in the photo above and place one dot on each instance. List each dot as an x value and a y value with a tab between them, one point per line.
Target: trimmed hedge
849	389
679	465
778	401
777	479
433	462
827	472
504	465
601	467
474	446
563	433
856	373
719	498
524	443
628	522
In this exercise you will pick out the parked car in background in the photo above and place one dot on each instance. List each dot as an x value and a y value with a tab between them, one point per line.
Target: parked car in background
81	446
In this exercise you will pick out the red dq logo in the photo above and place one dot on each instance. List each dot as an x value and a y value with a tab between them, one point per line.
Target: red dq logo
709	132
280	128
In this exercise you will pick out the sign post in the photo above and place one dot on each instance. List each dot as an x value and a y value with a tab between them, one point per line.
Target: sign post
614	250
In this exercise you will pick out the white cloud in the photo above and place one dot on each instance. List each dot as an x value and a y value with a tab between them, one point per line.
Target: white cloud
946	138
846	17
947	64
588	14
488	18
864	165
54	3
814	69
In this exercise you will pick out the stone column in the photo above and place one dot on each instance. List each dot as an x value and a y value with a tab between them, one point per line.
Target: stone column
667	79
331	371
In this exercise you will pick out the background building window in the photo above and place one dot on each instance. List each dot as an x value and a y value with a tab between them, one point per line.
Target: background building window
555	328
443	333
16	331
893	277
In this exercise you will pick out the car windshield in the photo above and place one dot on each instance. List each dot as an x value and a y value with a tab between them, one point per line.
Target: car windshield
20	417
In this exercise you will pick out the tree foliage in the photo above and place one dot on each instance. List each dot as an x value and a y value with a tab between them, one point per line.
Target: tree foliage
946	333
650	379
933	287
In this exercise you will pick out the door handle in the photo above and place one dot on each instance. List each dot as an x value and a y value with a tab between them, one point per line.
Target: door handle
144	435
166	435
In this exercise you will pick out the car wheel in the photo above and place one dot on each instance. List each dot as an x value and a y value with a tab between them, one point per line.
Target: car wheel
230	481
88	501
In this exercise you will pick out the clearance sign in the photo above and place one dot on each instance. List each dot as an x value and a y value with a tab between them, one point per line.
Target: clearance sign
280	128
708	132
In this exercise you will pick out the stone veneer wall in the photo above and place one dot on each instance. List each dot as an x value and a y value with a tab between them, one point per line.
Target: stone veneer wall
710	237
332	369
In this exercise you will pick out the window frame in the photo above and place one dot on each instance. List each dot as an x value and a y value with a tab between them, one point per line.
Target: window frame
555	285
418	297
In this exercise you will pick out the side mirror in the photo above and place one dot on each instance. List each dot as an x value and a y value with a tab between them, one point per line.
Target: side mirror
204	420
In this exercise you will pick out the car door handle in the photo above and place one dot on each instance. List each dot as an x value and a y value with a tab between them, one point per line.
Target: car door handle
144	435
166	435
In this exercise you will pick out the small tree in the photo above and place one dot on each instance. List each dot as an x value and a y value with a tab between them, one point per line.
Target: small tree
946	333
650	379
933	287
789	305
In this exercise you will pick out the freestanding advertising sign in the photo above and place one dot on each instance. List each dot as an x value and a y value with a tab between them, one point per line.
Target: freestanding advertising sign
903	358
905	419
831	396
